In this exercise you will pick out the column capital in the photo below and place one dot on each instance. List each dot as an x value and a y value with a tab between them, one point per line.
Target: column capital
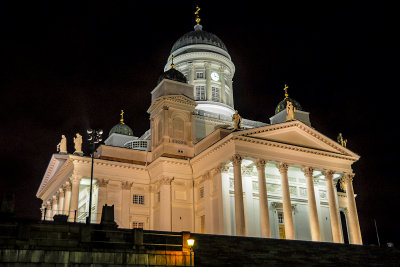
61	190
67	186
49	203
126	185
164	180
283	167
236	159
75	178
308	171
102	182
329	174
216	170
55	198
348	177
224	167
260	163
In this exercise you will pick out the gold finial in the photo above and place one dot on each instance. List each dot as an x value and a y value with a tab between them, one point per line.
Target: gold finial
172	61
285	89
122	116
197	15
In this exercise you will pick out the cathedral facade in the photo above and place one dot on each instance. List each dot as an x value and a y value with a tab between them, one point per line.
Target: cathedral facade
198	170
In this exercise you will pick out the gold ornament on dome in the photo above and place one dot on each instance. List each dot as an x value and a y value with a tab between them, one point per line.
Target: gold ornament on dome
285	89
197	15
122	117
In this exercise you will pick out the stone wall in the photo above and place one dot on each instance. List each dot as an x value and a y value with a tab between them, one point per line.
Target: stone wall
27	243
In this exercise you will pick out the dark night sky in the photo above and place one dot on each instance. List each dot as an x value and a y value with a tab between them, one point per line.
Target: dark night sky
67	66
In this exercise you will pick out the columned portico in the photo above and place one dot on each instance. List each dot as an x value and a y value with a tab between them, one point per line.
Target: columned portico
333	210
239	206
287	205
264	211
312	206
355	232
75	182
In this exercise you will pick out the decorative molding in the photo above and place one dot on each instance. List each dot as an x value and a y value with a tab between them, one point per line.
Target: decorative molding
308	171
283	168
329	174
260	163
236	159
102	182
126	185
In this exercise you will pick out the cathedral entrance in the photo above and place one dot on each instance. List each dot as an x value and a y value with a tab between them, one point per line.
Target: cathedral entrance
281	223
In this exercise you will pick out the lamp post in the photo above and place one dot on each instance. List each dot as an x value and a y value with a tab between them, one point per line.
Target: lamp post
94	137
190	243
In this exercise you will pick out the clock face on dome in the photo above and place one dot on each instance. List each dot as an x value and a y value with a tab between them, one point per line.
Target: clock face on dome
215	76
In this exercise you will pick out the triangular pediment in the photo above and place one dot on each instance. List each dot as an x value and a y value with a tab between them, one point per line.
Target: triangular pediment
297	133
55	164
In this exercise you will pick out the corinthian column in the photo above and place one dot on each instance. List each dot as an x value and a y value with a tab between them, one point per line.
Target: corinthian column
126	192
312	205
333	210
48	210
239	206
354	224
67	198
75	181
165	204
262	189
61	201
101	196
287	205
55	205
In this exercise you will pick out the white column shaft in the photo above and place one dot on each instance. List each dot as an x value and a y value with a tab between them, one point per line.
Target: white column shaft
67	199
61	200
333	210
165	206
208	206
74	199
239	205
354	224
264	210
312	205
287	205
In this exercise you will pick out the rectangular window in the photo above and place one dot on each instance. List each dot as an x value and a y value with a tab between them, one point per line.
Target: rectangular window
200	75
215	94
138	199
137	225
200	92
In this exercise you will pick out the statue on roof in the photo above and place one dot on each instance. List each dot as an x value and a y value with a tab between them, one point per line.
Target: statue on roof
342	141
237	120
62	146
290	110
78	144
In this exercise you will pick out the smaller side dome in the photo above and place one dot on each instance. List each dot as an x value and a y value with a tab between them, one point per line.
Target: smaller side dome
282	105
174	75
121	128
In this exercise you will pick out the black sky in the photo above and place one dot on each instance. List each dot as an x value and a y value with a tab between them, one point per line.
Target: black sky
67	66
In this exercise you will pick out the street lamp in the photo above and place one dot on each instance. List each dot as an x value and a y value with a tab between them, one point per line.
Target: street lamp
190	243
94	137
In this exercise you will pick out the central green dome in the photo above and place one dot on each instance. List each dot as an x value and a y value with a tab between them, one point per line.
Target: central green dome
121	128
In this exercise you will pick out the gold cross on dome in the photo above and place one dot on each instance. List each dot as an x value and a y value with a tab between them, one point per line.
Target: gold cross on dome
172	61
285	89
197	15
122	116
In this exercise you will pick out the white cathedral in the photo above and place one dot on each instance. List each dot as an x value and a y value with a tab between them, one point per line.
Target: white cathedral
192	171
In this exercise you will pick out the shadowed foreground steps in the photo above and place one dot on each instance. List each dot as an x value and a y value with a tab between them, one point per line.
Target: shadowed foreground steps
31	243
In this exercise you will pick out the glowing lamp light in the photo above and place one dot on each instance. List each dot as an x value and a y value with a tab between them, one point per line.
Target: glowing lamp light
190	242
